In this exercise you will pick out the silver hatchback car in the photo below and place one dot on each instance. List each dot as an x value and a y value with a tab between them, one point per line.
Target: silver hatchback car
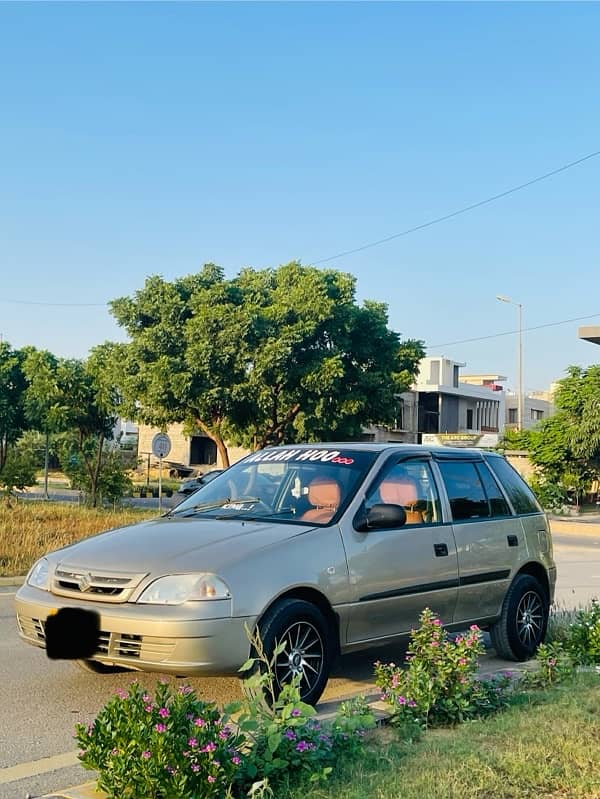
329	548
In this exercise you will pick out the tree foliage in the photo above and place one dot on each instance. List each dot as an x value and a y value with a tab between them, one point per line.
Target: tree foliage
566	447
270	356
12	387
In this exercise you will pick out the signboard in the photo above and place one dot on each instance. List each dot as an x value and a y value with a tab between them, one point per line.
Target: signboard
481	440
161	445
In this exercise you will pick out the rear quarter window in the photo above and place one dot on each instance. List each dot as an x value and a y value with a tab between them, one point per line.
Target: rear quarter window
521	496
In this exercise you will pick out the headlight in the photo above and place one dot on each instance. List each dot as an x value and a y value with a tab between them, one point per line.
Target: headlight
38	576
178	588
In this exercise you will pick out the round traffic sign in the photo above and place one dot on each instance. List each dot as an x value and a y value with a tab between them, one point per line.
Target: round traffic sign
161	445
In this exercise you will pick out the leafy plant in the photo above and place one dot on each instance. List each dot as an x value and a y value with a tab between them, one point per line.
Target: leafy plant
286	743
555	665
167	747
583	635
438	686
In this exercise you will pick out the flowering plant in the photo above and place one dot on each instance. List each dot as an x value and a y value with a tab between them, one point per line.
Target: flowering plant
555	664
287	744
168	746
438	684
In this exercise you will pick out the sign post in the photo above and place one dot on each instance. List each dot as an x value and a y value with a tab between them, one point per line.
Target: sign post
161	446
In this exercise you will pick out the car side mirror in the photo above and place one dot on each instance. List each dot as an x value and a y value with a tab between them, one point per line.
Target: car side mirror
380	517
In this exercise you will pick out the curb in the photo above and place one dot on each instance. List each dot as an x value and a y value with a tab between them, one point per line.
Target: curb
12	580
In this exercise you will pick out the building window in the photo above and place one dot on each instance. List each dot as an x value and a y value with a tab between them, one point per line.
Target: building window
512	416
399	419
203	451
469	419
455	377
536	415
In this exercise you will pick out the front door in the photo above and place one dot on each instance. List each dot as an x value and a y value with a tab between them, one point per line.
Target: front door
396	573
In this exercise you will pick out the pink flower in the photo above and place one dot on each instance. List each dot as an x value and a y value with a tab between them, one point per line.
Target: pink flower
146	698
236	760
114	751
435	643
146	754
210	778
195	767
462	662
437	622
192	742
474	627
122	694
210	747
148	708
185	689
164	713
200	723
160	728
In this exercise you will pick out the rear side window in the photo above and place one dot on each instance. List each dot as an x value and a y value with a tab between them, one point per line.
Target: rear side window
519	493
465	490
498	505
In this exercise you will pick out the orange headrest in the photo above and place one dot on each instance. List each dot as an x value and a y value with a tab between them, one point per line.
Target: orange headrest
398	492
324	492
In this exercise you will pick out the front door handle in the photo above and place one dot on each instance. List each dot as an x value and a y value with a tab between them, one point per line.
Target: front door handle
441	550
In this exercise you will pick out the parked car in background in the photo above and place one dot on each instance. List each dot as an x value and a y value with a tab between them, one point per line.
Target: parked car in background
327	548
194	483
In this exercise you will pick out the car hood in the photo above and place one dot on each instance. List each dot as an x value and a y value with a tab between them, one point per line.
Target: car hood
165	545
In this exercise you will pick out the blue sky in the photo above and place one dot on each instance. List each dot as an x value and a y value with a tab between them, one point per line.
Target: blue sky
141	139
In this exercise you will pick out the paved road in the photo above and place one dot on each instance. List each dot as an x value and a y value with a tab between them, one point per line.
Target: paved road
42	700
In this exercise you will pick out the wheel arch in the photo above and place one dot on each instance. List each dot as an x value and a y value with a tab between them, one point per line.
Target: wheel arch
534	569
320	601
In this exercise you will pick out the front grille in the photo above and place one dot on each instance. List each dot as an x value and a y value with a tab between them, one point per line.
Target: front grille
111	645
94	585
31	628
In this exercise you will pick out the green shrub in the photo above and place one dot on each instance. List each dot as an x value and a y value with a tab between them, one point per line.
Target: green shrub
287	744
439	686
583	635
554	665
171	746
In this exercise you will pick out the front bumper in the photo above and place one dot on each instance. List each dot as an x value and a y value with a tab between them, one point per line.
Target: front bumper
172	639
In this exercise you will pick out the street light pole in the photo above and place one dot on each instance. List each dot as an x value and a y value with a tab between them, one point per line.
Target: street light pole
520	358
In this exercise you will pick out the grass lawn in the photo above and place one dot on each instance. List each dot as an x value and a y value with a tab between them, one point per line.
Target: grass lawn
547	747
30	529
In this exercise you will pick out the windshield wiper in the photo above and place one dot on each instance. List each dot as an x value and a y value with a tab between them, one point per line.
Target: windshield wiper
220	503
281	512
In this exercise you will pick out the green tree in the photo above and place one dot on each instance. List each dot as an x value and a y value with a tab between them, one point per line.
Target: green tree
45	403
269	356
90	418
12	388
19	469
566	447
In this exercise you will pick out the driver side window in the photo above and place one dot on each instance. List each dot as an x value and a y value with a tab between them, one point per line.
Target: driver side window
409	484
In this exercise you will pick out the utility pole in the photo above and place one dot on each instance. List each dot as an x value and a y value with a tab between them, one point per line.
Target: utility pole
519	358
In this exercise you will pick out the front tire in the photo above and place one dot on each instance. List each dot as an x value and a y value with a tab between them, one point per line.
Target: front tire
522	625
307	636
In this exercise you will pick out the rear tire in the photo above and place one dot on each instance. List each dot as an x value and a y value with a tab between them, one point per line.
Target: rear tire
522	625
308	646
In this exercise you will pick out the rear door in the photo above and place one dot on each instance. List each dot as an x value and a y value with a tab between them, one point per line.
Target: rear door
489	538
396	573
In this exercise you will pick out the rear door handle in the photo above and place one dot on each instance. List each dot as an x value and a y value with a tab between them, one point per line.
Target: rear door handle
441	550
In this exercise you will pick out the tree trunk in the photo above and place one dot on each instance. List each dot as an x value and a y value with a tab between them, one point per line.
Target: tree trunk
218	439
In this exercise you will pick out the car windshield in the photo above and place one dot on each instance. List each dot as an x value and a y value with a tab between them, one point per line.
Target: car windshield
286	483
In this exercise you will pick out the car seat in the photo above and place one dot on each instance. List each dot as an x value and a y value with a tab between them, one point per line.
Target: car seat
402	491
324	495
